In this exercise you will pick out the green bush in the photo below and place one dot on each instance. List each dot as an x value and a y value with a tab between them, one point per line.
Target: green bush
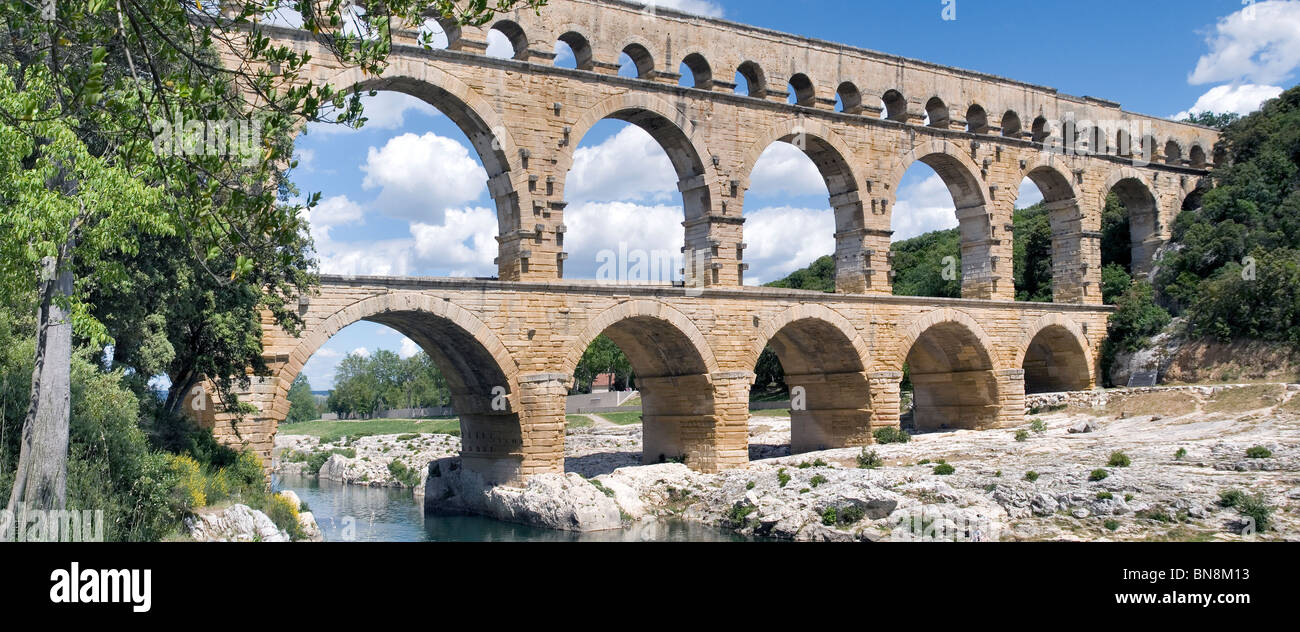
830	516
1098	475
891	434
408	476
1258	510
869	460
782	477
1119	459
1105	496
1031	476
1022	435
817	480
1112	525
1038	426
1137	317
190	492
284	514
1259	452
1180	454
943	469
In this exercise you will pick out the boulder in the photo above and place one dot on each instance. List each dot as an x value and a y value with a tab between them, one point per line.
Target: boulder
1083	427
555	501
237	523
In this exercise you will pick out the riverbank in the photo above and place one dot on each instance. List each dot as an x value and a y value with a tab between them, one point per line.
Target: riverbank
1064	478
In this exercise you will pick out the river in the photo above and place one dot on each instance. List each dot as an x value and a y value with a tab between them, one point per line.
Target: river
379	514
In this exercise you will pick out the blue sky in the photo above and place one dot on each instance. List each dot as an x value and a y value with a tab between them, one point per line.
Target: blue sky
406	195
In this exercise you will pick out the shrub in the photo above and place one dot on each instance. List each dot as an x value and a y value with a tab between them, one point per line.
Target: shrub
782	477
1098	475
1105	496
1259	452
1031	476
890	434
190	492
750	485
830	516
1038	426
1231	497
1180	454
1258	510
851	515
738	515
1119	459
869	460
817	480
1112	524
407	476
217	488
943	469
284	514
1022	435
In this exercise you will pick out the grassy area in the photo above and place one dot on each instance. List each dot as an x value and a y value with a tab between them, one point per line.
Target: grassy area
623	419
575	422
330	431
779	412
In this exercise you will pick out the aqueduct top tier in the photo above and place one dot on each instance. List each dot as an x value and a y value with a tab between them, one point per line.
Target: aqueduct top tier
981	133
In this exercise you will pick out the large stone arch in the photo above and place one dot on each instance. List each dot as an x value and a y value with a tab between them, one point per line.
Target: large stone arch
894	360
1056	355
384	310
825	363
834	160
483	378
965	182
1139	198
1076	247
670	127
474	114
955	372
677	375
808	312
640	309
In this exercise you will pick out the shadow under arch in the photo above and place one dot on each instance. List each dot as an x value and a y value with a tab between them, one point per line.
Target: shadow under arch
1074	278
1139	200
480	372
953	368
673	367
1055	357
825	362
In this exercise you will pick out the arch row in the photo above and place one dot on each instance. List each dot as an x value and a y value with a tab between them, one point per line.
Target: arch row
649	60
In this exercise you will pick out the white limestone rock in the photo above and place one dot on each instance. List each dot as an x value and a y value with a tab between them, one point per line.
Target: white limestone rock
556	501
237	523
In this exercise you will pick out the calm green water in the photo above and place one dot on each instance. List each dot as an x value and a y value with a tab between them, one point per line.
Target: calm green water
372	514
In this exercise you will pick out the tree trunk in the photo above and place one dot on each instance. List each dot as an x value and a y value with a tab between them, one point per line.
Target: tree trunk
41	481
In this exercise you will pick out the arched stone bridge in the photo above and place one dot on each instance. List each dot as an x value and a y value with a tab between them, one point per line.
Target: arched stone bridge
694	353
509	350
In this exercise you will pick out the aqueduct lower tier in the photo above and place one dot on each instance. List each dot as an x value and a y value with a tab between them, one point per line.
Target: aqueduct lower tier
509	350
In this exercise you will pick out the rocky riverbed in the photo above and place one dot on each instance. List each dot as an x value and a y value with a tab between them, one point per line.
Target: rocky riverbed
1061	479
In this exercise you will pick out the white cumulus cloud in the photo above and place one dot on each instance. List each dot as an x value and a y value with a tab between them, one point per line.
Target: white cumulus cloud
1242	99
1260	43
614	233
786	169
784	239
408	348
464	245
419	177
360	352
629	165
923	207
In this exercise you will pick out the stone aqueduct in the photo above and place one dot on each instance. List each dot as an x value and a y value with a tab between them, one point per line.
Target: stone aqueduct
509	346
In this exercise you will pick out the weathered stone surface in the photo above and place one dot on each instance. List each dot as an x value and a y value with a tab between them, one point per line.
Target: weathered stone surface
237	523
696	347
556	501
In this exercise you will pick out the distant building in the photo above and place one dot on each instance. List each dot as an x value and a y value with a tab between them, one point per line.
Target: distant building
603	383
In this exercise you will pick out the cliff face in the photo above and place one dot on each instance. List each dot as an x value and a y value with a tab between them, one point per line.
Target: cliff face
1180	360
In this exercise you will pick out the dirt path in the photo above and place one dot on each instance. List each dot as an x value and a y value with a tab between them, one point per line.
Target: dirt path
601	422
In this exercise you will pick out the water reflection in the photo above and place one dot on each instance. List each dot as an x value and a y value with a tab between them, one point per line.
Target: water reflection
350	513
